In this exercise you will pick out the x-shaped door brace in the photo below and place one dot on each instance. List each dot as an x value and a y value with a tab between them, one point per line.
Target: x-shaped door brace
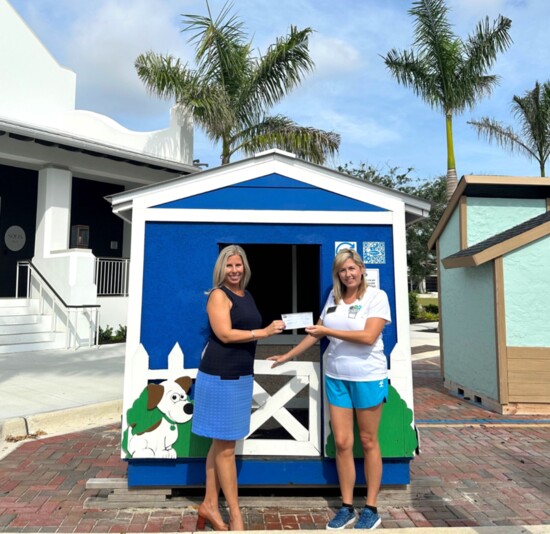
274	406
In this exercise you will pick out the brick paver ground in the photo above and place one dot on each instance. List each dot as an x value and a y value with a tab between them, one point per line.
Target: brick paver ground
470	473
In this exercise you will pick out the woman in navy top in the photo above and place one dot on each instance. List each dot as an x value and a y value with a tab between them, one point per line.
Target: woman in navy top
225	379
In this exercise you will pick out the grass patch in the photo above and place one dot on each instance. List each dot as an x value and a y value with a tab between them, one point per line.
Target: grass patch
426	299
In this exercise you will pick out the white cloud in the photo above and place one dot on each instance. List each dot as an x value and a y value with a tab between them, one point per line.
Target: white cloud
366	132
333	56
105	44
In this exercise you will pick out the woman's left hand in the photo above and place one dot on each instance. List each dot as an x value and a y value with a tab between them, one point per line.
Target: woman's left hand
276	327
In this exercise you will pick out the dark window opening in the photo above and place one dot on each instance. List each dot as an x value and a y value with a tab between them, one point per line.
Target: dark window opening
285	279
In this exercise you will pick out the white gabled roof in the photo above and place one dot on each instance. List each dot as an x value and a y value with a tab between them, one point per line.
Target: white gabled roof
264	163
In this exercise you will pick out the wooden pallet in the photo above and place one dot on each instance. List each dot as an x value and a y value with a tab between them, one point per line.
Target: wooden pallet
113	493
472	397
512	408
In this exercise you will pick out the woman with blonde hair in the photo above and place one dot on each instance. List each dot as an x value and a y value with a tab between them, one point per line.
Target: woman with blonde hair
355	379
223	389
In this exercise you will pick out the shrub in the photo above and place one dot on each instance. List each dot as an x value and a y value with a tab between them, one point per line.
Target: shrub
106	336
429	317
120	334
414	309
431	308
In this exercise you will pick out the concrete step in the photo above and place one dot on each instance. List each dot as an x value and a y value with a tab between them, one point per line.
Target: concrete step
29	337
42	323
22	303
13	302
20	319
18	310
57	341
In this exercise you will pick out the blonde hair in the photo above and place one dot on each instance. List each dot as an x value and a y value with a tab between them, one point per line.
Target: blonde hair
338	287
218	276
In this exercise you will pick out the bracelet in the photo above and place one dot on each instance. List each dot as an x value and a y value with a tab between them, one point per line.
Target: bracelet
253	335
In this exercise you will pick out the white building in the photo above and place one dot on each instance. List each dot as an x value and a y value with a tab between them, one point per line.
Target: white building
57	164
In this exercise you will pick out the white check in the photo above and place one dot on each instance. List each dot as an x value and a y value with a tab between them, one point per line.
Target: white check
297	320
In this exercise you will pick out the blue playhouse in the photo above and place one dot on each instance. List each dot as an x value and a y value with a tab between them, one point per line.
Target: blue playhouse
291	217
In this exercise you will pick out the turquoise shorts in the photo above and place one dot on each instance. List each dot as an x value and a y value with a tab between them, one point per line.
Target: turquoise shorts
348	394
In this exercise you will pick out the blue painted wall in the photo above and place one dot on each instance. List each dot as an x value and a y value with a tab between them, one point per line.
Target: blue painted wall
272	192
178	263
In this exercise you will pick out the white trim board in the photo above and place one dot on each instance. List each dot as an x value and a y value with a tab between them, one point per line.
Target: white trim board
269	216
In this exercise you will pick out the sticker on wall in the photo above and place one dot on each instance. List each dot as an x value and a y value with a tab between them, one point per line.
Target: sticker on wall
374	252
15	238
339	245
373	278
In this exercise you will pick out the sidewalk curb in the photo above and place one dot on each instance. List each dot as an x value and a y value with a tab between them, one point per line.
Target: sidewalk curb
524	529
62	421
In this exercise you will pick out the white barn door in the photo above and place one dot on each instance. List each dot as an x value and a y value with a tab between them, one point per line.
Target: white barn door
303	440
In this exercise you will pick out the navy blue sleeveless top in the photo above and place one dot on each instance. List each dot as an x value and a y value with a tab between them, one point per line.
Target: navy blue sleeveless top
232	360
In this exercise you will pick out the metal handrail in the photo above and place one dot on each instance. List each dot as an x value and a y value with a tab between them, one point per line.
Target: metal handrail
112	276
57	299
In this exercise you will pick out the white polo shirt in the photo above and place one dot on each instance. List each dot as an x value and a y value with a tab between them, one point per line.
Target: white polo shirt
355	361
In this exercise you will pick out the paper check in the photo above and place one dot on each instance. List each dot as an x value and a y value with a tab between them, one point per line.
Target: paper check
297	320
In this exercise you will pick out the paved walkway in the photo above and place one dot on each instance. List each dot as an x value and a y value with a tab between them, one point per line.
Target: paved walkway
477	472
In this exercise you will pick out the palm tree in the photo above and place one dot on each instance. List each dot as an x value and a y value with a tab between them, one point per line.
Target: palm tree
446	72
533	113
231	90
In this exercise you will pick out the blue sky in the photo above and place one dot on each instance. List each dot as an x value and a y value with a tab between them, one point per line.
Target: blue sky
351	92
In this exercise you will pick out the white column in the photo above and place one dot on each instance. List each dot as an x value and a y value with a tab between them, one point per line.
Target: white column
69	272
53	211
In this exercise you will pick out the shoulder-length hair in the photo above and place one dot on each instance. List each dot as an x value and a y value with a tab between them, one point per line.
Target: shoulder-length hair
218	276
338	287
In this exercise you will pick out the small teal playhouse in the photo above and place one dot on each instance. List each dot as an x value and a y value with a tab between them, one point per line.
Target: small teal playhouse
291	217
493	250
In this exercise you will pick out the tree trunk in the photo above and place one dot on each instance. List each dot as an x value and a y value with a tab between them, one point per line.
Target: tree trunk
451	182
226	151
451	165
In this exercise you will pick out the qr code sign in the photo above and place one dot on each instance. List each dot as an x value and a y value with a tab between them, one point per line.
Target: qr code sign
374	252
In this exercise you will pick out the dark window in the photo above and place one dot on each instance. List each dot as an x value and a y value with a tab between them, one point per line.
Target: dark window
285	279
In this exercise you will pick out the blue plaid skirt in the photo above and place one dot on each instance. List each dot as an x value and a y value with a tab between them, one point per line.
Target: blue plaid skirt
222	408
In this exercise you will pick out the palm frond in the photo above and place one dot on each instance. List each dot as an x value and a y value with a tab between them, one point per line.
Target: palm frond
432	27
486	43
219	48
161	75
280	70
415	73
480	53
494	131
167	77
533	112
281	132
